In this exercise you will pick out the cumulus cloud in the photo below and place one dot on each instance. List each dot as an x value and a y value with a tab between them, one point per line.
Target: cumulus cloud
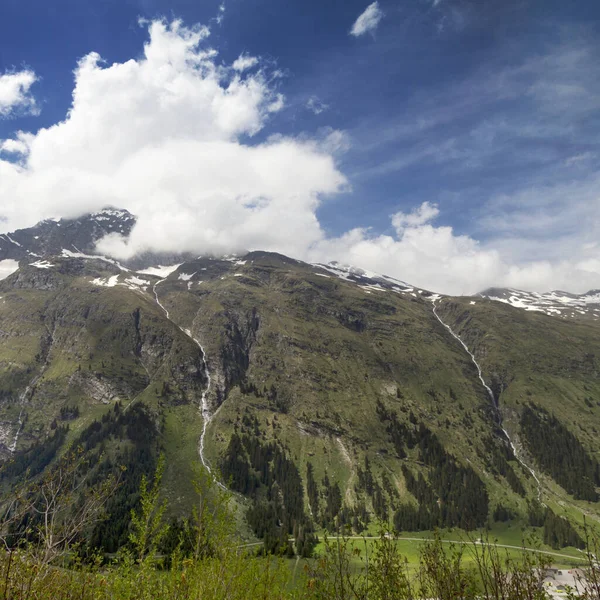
419	216
19	145
169	137
439	259
15	93
367	21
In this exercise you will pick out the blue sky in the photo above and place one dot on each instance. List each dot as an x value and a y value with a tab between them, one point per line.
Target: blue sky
475	125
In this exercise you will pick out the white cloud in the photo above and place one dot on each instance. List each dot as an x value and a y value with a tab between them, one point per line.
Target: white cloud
18	145
7	267
316	106
14	93
221	14
165	136
244	62
438	259
421	215
367	21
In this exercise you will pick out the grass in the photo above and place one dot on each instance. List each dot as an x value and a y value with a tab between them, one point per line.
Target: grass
409	546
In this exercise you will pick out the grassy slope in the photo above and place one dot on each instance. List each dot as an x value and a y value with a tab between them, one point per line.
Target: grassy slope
331	374
330	348
548	361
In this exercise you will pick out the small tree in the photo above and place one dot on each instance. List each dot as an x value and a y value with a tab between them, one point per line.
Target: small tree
334	577
442	574
55	510
148	527
388	571
505	578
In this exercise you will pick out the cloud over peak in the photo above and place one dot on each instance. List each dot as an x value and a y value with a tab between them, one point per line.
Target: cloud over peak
169	137
367	21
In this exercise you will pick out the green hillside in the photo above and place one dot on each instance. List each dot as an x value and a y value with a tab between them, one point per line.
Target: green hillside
329	403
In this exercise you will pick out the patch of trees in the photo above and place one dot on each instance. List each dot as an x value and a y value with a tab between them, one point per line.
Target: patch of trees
265	473
69	413
453	496
333	504
536	513
137	457
497	458
312	490
559	453
558	532
379	493
400	434
328	508
354	517
502	514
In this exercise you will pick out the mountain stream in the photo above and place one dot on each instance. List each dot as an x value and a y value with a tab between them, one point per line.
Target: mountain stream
204	405
492	398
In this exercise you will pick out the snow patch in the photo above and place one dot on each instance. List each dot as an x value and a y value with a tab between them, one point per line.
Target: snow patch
186	276
554	303
68	254
134	282
375	287
107	282
11	240
42	264
160	271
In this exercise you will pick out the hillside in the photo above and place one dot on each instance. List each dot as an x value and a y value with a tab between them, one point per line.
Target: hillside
321	395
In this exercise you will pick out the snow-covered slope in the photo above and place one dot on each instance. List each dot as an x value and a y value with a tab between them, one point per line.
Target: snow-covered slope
369	280
557	303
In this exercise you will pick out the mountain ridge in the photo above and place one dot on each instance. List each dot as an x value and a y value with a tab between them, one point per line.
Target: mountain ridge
53	236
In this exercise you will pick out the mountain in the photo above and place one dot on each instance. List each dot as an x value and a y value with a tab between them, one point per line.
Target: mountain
51	237
557	303
320	394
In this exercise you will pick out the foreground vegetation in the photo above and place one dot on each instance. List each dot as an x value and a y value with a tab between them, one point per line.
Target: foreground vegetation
46	523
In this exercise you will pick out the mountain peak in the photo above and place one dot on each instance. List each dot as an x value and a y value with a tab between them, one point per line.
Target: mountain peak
52	236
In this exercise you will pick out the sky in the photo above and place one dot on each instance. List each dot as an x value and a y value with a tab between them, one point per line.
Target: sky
453	144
